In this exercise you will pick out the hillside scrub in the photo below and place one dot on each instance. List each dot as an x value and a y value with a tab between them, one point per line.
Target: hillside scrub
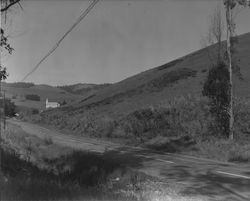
183	124
182	116
32	97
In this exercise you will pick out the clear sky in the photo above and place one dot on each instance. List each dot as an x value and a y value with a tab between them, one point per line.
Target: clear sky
119	38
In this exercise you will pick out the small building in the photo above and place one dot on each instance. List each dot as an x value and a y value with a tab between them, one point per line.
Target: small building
51	104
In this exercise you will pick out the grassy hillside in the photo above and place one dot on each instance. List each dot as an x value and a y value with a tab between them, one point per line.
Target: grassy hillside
83	89
17	91
180	77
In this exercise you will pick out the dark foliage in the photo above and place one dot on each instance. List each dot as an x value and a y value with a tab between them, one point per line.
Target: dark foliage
63	102
216	88
22	180
10	108
3	73
35	111
32	97
4	42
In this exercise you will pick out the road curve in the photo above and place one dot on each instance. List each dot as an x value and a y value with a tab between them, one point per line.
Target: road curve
213	179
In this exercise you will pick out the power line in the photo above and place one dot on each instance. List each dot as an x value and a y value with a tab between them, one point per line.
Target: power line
83	15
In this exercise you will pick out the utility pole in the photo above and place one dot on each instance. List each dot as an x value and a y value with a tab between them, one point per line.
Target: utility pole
4	117
0	130
0	110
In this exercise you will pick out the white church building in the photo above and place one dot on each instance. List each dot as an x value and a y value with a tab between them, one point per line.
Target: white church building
51	104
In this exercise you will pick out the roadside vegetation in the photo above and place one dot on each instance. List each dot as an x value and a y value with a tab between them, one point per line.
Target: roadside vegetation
92	177
36	169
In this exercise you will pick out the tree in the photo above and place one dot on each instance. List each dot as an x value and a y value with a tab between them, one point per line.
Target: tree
4	45
229	7
5	5
9	107
214	36
216	88
62	102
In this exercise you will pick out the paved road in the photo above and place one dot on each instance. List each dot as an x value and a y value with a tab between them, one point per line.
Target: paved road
213	179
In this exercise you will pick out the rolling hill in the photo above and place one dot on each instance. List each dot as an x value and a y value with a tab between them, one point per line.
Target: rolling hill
180	77
130	107
17	92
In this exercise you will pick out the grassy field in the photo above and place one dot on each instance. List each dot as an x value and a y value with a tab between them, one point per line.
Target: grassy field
37	169
17	94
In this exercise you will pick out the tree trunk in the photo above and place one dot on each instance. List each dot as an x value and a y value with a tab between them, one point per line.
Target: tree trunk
229	55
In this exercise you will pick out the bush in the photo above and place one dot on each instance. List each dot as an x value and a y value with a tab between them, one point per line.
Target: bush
242	116
32	97
62	102
35	111
10	108
182	116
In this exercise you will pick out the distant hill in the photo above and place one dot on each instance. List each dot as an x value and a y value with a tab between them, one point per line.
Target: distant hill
17	92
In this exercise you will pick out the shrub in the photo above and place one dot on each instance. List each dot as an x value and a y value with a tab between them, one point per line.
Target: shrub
63	102
35	111
10	108
179	117
48	141
242	116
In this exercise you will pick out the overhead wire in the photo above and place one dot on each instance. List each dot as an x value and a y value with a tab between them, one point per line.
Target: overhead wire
79	19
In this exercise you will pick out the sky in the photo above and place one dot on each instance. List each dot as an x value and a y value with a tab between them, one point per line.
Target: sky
119	38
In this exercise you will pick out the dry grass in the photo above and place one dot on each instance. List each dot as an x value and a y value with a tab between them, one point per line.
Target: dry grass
91	177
